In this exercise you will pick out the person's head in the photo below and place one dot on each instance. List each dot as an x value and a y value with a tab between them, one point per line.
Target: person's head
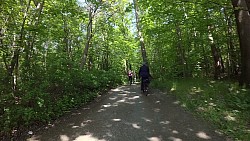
144	63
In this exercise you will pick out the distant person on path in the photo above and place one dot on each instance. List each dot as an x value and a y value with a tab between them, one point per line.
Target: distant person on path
144	74
130	76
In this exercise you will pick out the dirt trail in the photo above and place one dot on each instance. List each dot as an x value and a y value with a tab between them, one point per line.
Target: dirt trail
126	115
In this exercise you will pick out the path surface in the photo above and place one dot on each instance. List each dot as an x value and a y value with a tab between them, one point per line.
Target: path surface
126	115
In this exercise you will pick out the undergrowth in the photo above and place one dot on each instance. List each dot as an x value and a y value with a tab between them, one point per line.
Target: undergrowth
223	103
47	96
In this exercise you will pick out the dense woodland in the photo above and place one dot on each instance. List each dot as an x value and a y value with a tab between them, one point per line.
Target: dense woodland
59	54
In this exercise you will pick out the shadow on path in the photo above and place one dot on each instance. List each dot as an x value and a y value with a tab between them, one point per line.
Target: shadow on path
126	115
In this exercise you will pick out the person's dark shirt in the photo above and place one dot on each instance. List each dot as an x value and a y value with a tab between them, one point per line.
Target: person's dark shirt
144	71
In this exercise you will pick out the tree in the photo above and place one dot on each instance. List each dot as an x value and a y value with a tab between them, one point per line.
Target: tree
139	30
92	8
242	15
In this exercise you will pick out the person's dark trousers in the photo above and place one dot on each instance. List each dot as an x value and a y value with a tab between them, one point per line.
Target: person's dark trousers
142	81
130	80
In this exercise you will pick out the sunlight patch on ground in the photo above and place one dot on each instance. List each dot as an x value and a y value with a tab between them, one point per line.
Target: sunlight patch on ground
115	105
108	135
154	139
173	87
135	97
174	139
75	126
136	126
175	132
82	124
201	109
147	120
101	110
230	118
203	135
64	138
127	92
130	102
119	101
183	105
165	122
190	129
106	105
158	102
109	125
116	90
73	114
113	98
34	138
116	119
177	102
85	123
230	115
157	110
87	138
195	90
212	104
122	94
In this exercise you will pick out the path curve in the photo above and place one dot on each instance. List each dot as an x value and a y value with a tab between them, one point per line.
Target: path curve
125	115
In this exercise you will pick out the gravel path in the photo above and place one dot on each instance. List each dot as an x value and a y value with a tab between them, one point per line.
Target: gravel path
124	114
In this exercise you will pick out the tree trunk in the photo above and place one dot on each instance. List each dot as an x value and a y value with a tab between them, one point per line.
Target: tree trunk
89	36
137	18
232	59
218	62
181	52
30	46
13	68
241	10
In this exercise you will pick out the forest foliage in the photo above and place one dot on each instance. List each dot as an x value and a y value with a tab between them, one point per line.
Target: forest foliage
56	55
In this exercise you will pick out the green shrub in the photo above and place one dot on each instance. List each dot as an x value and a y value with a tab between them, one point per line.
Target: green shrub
45	96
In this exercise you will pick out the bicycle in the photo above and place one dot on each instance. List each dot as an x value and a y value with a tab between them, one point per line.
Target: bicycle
145	84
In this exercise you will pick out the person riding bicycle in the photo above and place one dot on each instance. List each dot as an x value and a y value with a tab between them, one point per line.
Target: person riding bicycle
144	74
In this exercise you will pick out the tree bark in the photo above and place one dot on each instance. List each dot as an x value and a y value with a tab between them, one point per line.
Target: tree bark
13	68
137	18
181	52
30	46
89	36
232	55
218	62
241	10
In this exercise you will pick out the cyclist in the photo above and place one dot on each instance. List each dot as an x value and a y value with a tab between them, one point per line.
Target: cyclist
144	74
130	75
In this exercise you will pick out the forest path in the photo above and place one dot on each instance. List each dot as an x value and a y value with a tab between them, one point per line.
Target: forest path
124	114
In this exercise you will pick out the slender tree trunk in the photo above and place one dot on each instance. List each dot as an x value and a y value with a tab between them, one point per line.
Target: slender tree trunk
181	51
232	60
218	62
137	18
66	36
206	63
1	37
242	15
30	46
89	36
206	60
12	69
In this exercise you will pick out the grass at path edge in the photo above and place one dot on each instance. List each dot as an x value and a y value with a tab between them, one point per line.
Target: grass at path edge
223	103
